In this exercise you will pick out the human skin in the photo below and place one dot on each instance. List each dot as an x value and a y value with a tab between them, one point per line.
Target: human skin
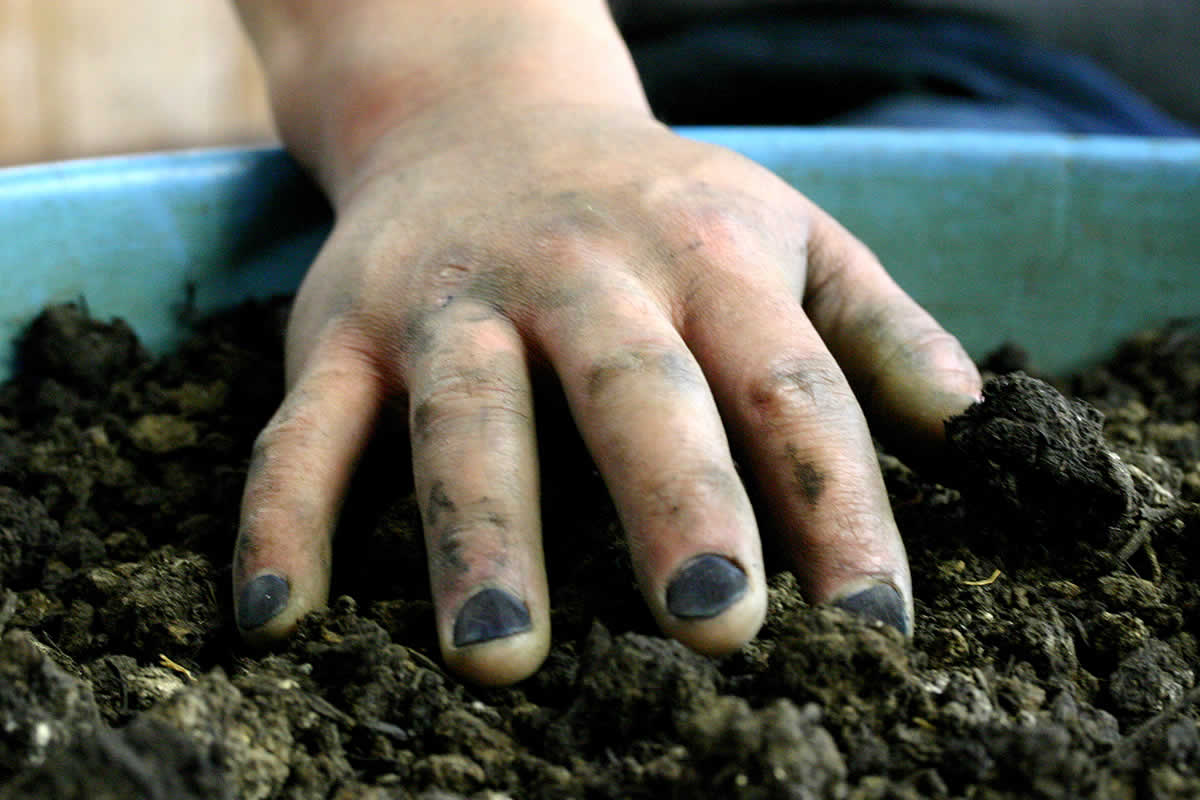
506	204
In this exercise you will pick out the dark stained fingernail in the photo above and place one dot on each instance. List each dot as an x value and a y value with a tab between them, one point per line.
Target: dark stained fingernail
490	614
706	586
261	601
880	602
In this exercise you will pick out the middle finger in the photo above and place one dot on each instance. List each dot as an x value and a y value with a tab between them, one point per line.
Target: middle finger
641	402
475	468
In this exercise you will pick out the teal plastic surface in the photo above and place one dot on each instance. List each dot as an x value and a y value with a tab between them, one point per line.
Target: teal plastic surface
1062	244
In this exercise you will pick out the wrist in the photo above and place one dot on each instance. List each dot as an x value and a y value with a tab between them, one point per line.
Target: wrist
343	75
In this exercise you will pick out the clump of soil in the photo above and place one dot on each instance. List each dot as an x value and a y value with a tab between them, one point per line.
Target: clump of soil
1056	589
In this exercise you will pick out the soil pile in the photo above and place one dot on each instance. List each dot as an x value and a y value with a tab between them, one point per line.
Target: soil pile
1056	583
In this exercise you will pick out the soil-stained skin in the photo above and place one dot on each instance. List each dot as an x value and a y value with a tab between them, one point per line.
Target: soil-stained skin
1054	653
809	478
449	548
674	370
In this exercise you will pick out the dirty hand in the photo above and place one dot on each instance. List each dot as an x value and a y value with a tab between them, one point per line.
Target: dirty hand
538	217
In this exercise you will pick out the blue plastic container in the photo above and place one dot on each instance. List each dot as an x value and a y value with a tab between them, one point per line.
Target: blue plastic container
1062	244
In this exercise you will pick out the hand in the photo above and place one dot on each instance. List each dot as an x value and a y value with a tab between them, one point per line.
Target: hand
680	293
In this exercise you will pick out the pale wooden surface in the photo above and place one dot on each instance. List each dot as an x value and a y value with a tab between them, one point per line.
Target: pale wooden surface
92	77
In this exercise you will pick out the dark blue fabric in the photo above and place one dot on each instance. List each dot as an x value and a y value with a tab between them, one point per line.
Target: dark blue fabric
885	70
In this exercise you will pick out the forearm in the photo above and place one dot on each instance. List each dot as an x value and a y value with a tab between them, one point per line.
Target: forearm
343	74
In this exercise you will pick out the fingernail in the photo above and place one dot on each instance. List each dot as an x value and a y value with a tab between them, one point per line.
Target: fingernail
706	586
490	614
880	602
261	601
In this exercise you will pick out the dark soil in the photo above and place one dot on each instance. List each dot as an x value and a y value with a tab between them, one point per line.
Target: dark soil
1058	606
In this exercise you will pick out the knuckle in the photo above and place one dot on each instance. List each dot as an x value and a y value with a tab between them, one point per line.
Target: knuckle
795	388
275	460
667	497
826	295
468	394
291	428
298	433
472	546
941	351
619	304
720	230
565	241
660	361
913	344
466	540
569	231
282	463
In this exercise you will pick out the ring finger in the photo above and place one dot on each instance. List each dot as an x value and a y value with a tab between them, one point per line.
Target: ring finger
647	415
